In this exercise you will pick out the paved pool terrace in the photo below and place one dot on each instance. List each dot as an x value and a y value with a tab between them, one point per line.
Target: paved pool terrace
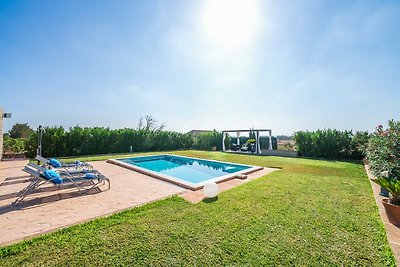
50	209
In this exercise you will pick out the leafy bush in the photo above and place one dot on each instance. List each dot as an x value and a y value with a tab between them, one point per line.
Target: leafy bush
98	140
13	145
264	142
360	144
21	130
208	140
383	154
393	186
331	144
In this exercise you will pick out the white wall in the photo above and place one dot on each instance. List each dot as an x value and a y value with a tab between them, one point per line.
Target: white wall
1	133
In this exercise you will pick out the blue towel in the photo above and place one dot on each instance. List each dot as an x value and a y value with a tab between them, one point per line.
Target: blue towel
55	163
53	176
90	175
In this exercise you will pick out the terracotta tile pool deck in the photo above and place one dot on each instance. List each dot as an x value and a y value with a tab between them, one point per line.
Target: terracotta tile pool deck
50	209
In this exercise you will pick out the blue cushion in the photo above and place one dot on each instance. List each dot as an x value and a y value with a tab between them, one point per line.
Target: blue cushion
90	175
53	176
55	163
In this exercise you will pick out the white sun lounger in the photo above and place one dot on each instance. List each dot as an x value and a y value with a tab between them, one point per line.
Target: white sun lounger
38	179
64	165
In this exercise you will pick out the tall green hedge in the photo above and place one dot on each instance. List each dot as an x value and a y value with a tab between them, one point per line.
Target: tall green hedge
58	142
98	140
331	144
206	141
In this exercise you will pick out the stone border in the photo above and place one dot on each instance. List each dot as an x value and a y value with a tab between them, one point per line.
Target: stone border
392	232
182	183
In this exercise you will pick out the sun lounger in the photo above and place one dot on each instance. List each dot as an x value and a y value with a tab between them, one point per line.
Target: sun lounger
89	174
40	178
67	171
76	165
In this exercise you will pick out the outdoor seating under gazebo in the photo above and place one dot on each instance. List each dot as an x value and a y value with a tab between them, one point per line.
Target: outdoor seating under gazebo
255	146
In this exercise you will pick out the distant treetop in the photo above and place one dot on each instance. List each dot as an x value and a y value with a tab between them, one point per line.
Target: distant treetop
21	130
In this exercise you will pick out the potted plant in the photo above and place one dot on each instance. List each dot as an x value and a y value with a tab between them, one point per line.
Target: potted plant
383	155
392	205
251	144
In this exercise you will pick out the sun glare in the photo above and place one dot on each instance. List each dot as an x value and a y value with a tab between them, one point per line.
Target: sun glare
230	23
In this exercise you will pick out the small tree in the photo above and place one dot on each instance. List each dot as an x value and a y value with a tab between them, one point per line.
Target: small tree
383	154
148	123
21	130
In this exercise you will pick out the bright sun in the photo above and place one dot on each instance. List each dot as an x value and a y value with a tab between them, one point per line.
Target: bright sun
231	24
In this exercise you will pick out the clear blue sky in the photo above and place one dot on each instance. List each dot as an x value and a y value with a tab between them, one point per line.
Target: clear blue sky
285	65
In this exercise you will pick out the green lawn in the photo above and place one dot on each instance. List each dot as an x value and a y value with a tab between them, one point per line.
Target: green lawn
311	213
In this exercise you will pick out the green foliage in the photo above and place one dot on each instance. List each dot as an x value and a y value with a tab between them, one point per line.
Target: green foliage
208	140
383	154
264	141
393	186
21	130
309	213
383	151
331	144
251	141
98	140
227	141
360	144
13	145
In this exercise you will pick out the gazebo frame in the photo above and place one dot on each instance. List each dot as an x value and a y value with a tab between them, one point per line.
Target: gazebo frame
257	131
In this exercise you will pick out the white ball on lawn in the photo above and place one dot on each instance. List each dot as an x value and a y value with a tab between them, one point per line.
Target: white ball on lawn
210	189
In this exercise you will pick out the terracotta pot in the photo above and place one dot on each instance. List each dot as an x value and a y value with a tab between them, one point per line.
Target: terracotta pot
392	211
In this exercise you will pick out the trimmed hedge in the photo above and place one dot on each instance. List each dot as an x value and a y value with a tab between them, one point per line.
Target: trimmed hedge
331	144
57	142
206	141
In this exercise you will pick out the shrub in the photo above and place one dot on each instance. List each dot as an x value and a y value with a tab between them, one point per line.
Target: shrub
208	140
13	145
98	140
383	151
391	185
331	144
360	144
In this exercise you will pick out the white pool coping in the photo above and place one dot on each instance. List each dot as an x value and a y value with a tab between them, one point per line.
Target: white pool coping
180	182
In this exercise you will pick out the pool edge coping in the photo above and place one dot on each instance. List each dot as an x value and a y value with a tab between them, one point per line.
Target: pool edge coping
184	184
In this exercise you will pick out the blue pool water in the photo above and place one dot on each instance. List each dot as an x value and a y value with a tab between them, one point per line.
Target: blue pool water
186	169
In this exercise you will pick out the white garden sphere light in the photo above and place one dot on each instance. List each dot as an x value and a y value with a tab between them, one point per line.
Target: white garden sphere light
210	189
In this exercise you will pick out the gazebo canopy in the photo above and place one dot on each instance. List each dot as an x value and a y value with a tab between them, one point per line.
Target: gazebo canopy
256	131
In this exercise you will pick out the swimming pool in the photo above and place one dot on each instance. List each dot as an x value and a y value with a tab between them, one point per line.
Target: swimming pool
188	172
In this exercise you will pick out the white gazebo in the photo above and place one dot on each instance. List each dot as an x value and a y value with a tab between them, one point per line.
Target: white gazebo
257	133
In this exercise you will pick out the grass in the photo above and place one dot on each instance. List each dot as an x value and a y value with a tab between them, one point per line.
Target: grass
311	213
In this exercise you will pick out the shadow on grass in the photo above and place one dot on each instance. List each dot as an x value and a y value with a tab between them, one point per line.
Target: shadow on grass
210	199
